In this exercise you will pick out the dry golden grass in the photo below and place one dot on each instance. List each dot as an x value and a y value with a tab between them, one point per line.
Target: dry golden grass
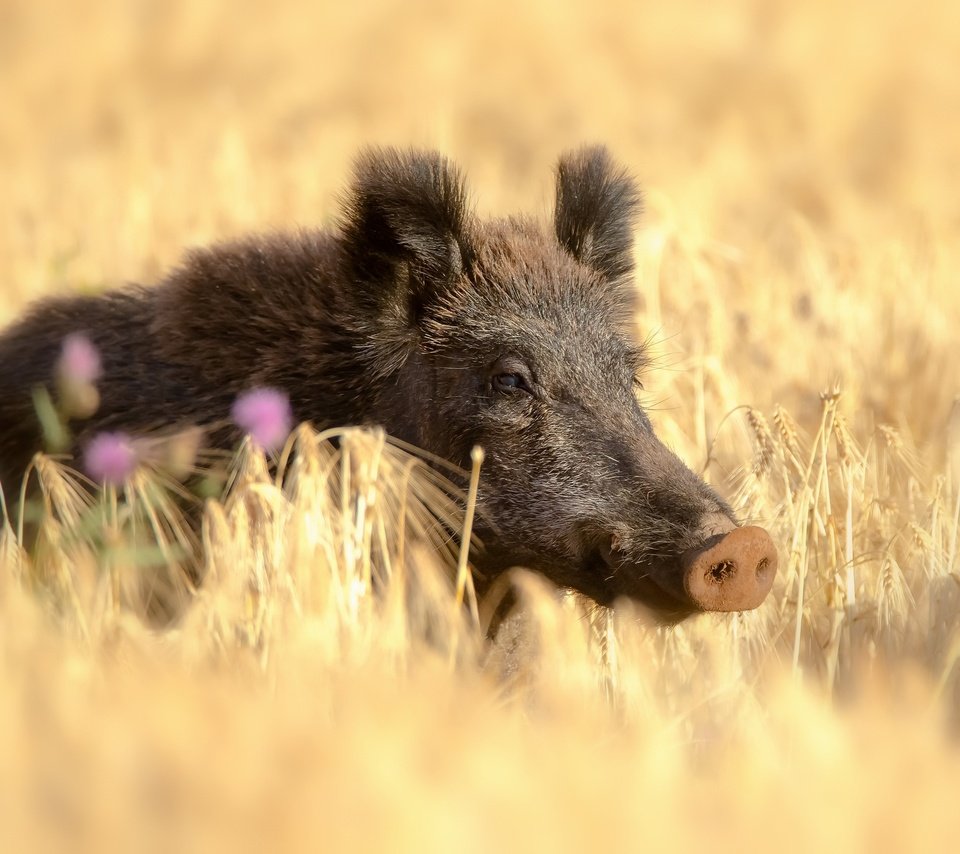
797	269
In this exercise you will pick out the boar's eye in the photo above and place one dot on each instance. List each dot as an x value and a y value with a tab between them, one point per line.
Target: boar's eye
510	376
509	382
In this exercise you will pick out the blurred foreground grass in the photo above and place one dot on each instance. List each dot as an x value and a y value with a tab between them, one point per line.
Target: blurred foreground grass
799	260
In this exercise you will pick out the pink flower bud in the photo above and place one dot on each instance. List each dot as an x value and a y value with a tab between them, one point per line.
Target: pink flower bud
265	414
110	458
79	359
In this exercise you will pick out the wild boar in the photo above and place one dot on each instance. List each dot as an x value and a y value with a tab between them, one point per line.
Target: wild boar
449	332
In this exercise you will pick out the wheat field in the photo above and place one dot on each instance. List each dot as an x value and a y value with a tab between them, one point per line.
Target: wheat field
326	687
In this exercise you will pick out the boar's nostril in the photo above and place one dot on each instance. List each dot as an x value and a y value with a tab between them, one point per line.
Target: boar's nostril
721	571
732	573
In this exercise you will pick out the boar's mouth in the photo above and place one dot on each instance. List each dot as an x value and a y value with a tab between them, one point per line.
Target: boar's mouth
636	583
730	571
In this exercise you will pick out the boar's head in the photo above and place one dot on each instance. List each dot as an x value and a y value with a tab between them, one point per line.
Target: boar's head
517	338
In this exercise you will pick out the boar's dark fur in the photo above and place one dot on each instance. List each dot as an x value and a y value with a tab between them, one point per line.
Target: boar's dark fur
447	331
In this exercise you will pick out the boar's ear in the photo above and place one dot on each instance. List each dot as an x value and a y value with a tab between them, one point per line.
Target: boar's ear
407	221
597	206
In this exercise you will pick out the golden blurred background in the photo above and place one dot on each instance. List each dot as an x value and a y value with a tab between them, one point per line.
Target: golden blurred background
799	256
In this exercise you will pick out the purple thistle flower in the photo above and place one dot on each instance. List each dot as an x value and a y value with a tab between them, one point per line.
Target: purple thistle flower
79	359
110	458
265	414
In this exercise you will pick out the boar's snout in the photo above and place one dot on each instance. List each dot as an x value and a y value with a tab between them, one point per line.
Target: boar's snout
733	571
